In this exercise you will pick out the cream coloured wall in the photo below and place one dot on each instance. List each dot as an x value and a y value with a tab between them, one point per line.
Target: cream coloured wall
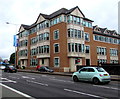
40	19
76	12
73	65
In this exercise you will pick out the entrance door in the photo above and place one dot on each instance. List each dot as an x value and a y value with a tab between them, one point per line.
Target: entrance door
87	62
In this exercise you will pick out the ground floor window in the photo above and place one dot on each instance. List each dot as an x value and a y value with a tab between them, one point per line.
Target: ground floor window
33	62
87	62
114	61
22	61
77	60
102	61
56	62
42	61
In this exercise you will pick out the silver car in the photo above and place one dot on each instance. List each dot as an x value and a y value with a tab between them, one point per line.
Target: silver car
93	74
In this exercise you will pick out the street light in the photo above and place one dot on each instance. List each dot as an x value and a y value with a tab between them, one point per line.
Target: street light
14	38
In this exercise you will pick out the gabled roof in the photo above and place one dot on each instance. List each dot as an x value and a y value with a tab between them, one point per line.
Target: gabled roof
103	30
61	11
69	11
106	32
94	27
54	14
25	27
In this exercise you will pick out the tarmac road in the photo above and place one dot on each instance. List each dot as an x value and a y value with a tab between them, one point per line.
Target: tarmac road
43	85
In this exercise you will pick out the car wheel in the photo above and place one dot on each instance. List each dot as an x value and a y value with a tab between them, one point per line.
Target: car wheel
75	79
96	81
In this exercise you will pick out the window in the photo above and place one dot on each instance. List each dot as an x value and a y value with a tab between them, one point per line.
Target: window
34	40
87	37
56	48
34	51
68	32
83	48
91	70
101	51
79	34
56	34
56	62
113	52
56	20
23	53
106	39
76	47
69	47
33	62
72	47
114	61
84	70
78	20
74	33
102	61
77	60
75	19
87	49
42	61
99	69
79	48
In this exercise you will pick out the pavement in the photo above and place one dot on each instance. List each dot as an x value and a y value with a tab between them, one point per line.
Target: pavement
113	77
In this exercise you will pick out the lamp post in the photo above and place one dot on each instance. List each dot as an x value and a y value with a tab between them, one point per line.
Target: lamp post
14	38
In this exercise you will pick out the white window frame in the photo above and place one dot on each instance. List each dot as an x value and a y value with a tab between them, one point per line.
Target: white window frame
58	48
58	34
58	62
88	36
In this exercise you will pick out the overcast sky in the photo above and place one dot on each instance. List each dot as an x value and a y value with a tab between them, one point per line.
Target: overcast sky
104	13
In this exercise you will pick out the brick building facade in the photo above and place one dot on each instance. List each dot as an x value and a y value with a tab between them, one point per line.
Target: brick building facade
65	39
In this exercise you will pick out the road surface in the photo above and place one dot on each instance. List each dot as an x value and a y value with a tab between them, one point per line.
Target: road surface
32	85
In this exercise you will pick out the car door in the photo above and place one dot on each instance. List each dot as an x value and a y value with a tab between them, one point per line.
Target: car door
82	75
91	73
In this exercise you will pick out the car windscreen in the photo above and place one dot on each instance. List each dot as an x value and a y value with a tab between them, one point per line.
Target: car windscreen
100	69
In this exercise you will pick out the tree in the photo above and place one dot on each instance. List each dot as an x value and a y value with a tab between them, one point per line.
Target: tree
12	58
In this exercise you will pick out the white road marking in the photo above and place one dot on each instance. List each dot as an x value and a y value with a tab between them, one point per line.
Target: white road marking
61	80
44	75
83	93
27	77
23	94
106	87
7	80
37	83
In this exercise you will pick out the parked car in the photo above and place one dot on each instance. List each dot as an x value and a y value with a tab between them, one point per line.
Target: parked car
10	69
93	74
2	67
45	69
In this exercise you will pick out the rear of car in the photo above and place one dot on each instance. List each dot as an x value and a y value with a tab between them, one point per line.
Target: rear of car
103	75
10	69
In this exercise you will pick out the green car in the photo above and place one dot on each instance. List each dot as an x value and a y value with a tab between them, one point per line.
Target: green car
93	74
